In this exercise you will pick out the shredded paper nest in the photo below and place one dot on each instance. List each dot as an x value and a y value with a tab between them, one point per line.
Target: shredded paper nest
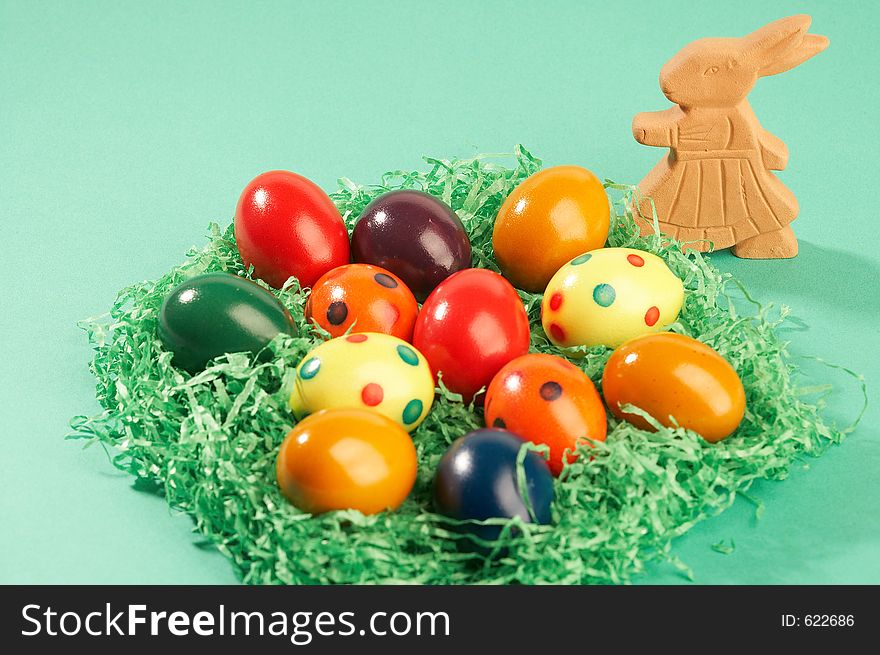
208	442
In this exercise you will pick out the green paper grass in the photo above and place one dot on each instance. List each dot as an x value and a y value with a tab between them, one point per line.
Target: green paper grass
208	442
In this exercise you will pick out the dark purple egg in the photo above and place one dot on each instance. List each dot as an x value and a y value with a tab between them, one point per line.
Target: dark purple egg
415	236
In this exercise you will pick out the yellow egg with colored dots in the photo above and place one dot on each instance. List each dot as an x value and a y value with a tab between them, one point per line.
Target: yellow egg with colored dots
609	295
366	370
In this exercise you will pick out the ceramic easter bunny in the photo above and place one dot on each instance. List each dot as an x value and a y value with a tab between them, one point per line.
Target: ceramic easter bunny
717	185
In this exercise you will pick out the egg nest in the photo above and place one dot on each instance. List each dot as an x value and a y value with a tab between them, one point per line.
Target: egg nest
208	442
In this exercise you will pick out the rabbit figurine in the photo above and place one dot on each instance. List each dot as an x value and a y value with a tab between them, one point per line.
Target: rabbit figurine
716	185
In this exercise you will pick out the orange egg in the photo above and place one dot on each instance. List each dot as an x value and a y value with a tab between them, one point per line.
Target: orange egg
671	375
546	400
549	219
346	459
362	298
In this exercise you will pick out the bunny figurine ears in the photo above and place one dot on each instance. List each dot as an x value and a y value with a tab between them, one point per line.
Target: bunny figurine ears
716	187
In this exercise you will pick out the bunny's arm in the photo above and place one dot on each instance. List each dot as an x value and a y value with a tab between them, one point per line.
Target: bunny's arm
658	128
774	152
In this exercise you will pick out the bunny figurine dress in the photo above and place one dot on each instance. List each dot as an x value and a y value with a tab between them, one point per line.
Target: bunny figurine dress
716	187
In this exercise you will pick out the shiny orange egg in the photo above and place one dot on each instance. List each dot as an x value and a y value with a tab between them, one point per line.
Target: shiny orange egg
362	298
546	400
549	219
671	376
346	459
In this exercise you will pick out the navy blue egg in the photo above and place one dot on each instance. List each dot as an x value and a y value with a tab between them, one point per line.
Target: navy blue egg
476	479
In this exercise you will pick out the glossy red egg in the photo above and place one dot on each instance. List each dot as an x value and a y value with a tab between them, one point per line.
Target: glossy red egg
285	225
470	326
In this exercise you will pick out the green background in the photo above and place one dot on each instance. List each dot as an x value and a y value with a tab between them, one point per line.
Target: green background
126	127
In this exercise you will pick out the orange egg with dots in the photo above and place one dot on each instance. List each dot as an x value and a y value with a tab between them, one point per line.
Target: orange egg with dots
547	400
676	380
550	218
362	298
346	459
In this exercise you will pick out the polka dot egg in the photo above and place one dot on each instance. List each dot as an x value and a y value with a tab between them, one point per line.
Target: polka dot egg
608	296
362	298
365	370
547	400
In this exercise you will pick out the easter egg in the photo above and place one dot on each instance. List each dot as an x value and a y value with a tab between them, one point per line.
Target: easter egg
364	298
547	400
365	370
415	236
285	225
609	295
346	459
550	218
469	327
672	376
477	480
217	313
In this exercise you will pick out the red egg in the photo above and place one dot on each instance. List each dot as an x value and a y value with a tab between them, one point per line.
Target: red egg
285	225
470	326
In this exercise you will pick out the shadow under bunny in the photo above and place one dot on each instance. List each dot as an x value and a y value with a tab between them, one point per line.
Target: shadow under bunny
840	280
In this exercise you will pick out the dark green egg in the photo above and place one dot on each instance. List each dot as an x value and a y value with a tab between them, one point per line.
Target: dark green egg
217	313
